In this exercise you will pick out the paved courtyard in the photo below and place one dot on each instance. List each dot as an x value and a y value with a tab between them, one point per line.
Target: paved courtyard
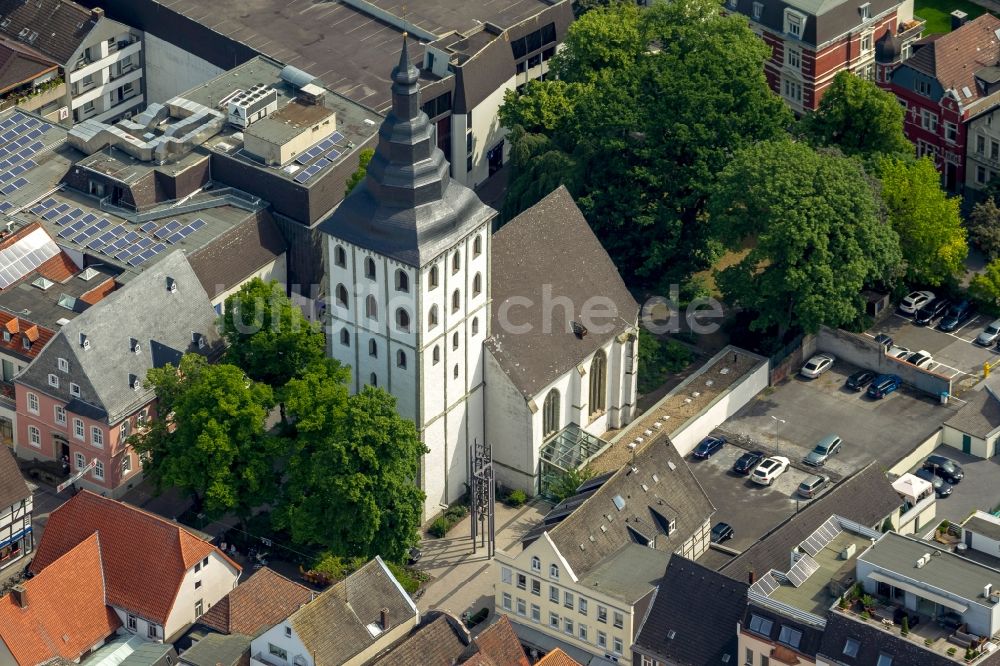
978	490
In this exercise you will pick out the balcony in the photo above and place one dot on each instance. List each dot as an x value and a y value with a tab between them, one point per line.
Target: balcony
33	99
911	30
95	66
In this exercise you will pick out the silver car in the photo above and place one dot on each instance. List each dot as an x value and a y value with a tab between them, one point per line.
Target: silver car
989	334
828	446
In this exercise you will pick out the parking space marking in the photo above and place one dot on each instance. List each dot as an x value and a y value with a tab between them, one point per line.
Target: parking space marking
954	334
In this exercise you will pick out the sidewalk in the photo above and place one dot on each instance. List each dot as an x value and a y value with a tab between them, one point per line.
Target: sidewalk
462	581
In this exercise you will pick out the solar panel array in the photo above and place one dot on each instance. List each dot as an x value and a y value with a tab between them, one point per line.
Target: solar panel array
822	537
766	584
126	243
324	153
805	567
24	256
20	140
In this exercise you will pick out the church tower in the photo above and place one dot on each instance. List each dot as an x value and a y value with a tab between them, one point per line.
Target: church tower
408	291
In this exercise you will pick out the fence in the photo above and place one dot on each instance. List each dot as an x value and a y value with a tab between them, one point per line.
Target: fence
787	360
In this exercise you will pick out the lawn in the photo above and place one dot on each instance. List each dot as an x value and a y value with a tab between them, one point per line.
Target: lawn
937	13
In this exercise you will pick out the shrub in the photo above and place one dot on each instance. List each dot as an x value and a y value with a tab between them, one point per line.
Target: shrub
336	568
516	498
439	527
410	579
658	359
865	615
906	625
565	486
952	651
456	512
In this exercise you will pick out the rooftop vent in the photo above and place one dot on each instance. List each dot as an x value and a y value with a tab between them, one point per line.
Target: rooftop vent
134	346
296	77
133	381
671	635
579	330
67	301
171	285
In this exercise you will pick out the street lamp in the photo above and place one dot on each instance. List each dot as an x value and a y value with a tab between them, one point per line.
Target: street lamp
777	447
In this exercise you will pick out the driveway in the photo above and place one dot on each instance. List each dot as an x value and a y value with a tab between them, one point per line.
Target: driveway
978	490
885	430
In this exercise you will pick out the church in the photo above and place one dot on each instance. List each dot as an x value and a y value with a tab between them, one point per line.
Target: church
524	337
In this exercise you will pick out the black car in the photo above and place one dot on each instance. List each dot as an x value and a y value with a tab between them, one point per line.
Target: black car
709	446
860	379
941	487
746	462
946	468
883	341
956	315
931	311
722	532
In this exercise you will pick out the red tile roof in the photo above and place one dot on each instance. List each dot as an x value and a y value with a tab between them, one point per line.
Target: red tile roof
134	544
499	646
66	612
557	658
955	57
59	268
39	336
100	291
257	604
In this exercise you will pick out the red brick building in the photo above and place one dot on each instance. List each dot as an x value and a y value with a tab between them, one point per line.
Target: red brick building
813	40
944	82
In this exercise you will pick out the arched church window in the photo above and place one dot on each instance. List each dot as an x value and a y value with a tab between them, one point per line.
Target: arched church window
371	307
403	320
477	246
340	256
550	414
432	317
456	262
454	340
432	277
475	325
402	281
455	371
373	379
598	383
345	337
370	268
401	359
373	348
477	284
342	296
436	354
456	301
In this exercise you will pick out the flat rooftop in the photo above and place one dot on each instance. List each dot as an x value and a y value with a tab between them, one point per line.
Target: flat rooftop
630	573
945	570
355	123
814	595
59	303
121	166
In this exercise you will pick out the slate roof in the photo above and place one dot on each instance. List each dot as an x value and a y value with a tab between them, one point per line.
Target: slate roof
66	613
333	626
19	65
701	607
498	645
133	543
13	487
439	639
866	498
240	251
673	495
61	25
808	643
978	417
953	58
218	650
163	322
827	19
257	604
551	246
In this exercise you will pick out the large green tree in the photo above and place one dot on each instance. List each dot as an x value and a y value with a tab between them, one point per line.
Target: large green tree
364	158
984	228
210	438
352	469
638	130
858	117
927	220
985	287
268	336
817	240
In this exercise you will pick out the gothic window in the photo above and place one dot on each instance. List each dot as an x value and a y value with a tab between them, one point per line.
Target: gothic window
477	246
345	337
370	268
455	371
373	348
371	308
403	320
477	284
432	277
456	301
401	359
373	379
340	256
456	262
598	383
402	281
432	317
454	341
436	354
342	296
475	325
550	414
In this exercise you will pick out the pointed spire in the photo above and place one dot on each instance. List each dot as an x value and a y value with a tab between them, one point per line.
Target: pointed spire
405	73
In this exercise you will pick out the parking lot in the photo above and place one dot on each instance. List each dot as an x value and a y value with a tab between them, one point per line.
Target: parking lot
978	490
955	354
750	508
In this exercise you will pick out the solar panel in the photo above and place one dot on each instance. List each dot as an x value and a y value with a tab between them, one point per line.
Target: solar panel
107	237
48	203
118	231
8	136
18	170
146	256
82	237
23	127
820	538
322	163
90	217
136	259
38	209
302	176
62	208
21	182
75	213
332	155
132	237
30	164
197	224
124	254
147	227
31	122
158	248
36	146
805	567
45	127
326	144
34	134
6	205
766	584
67	232
167	229
143	243
8	189
96	243
336	137
303	158
117	245
103	223
23	141
52	214
314	153
178	237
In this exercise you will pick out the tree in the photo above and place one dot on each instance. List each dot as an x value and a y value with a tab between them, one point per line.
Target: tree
268	336
985	287
565	485
931	235
817	241
607	37
350	479
858	117
210	439
364	157
984	228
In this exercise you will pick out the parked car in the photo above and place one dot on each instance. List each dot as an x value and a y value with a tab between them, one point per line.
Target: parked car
828	446
941	487
931	311
708	447
883	385
898	352
769	470
812	486
817	365
989	334
956	316
884	341
746	462
860	379
914	301
921	359
722	532
946	468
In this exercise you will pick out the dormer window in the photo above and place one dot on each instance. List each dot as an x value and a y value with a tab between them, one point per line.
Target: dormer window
133	381
26	343
171	285
866	11
795	23
63	365
134	346
6	336
84	341
53	381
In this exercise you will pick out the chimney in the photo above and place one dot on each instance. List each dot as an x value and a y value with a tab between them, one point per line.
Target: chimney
987	590
96	14
384	619
751	577
171	285
958	19
20	595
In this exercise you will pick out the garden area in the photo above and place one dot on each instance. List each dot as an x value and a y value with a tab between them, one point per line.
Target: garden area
937	13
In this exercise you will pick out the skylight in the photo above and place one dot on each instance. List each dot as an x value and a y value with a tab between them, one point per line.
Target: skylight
619	502
42	283
67	301
88	273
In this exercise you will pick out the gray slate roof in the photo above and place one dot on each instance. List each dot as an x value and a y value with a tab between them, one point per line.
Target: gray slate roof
866	498
986	528
13	487
333	626
827	19
163	322
217	650
674	495
702	607
551	246
61	25
979	417
237	253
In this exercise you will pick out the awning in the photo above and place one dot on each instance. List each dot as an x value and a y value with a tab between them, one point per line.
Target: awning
920	592
17	537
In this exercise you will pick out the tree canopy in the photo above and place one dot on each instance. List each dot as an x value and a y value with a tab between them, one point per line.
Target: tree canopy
812	222
985	287
984	228
927	220
364	158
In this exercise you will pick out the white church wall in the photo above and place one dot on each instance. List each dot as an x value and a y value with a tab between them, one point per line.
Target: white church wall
509	429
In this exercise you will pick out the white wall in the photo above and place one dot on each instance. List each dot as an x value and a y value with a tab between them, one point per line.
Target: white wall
486	133
275	270
217	579
170	70
509	426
